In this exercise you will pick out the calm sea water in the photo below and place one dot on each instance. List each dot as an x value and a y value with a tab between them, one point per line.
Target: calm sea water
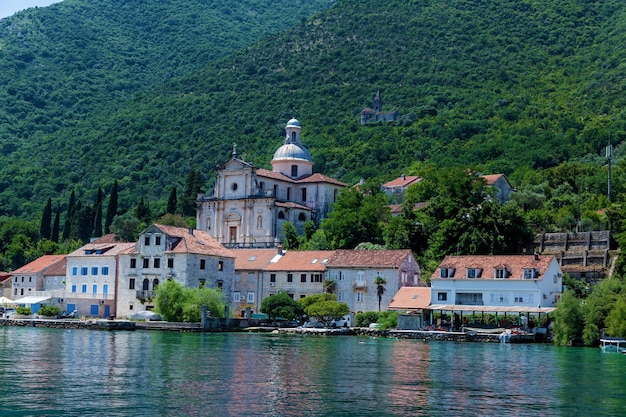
53	372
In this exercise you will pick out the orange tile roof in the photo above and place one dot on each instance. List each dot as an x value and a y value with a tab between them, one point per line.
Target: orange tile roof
515	264
58	268
310	260
403	181
191	241
253	259
308	179
410	298
107	248
492	178
397	208
38	265
368	258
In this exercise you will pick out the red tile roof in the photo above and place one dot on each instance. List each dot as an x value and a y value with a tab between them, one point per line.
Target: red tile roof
38	265
368	258
253	259
312	260
57	269
515	264
191	241
403	181
492	178
410	298
313	178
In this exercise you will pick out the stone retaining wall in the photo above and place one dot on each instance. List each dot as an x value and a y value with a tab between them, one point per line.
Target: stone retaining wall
70	324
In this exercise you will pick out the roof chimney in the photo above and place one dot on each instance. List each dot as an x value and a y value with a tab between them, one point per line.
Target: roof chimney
191	231
280	250
403	177
536	256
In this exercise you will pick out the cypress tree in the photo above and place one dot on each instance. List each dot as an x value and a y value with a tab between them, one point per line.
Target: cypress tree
97	220
193	185
111	209
142	212
55	227
71	208
172	202
45	230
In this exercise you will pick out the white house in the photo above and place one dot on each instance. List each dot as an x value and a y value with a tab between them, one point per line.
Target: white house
91	278
249	206
191	257
354	272
520	282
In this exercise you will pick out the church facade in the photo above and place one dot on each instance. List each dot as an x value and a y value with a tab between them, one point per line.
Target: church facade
249	206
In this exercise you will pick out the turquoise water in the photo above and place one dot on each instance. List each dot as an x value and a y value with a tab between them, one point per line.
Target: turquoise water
53	372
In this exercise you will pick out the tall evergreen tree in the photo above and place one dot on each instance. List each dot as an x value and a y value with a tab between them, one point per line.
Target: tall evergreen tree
111	209
71	208
172	202
45	230
56	226
193	185
97	219
142	212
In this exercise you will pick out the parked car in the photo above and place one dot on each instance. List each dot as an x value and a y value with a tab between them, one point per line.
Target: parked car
313	324
341	322
375	326
9	312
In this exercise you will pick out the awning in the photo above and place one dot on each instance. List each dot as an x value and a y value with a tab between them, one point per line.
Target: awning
32	300
489	309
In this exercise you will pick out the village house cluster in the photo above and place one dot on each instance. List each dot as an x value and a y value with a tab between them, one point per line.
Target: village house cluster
237	248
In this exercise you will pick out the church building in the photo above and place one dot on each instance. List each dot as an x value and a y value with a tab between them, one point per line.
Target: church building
249	206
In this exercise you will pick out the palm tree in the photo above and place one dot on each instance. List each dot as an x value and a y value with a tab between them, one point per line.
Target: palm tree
380	289
329	285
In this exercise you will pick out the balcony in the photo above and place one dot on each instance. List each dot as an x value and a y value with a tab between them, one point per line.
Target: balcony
359	285
146	295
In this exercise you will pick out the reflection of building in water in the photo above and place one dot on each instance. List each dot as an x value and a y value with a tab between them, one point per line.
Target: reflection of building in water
411	370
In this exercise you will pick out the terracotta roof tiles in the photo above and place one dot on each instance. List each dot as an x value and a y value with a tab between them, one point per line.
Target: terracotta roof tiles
300	261
514	264
39	265
410	298
368	258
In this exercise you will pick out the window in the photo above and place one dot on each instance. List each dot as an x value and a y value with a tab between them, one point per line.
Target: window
281	215
251	297
272	277
234	186
294	170
259	222
316	277
302	277
146	241
236	297
446	272
94	270
94	289
359	297
146	262
289	193
84	270
304	194
442	296
74	272
289	277
416	278
237	278
202	263
474	273
131	284
251	277
341	276
500	273
157	240
155	284
93	310
105	270
529	273
84	288
73	288
146	284
201	282
301	217
405	277
105	289
157	262
519	299
220	265
340	296
170	262
133	263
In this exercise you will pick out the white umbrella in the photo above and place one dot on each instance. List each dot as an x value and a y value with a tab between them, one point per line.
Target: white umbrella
4	300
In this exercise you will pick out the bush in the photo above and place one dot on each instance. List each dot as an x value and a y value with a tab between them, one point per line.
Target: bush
365	319
24	311
49	311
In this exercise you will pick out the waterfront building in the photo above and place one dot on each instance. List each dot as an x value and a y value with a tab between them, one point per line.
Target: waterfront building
249	206
90	278
497	283
248	284
355	271
191	257
28	281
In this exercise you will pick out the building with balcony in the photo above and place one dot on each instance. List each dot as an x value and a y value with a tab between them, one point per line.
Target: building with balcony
191	257
355	272
248	284
249	206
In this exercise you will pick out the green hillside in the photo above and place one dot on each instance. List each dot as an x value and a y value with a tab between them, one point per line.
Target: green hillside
499	85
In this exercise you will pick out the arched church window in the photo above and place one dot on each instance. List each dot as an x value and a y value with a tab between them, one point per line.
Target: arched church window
208	223
234	186
155	284
294	170
302	217
281	215
146	284
293	136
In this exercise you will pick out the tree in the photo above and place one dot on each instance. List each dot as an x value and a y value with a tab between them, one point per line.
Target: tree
69	217
97	218
616	320
172	202
142	212
55	227
327	311
193	186
281	305
568	320
195	298
329	285
291	241
45	230
380	283
172	220
170	300
111	208
125	227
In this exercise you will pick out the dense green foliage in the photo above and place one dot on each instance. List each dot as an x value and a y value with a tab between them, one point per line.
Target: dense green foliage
281	305
385	319
49	311
177	303
324	307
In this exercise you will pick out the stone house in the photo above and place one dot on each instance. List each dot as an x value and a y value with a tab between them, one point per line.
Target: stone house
191	257
28	281
354	272
248	284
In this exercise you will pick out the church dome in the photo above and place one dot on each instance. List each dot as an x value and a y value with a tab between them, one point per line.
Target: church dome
292	151
294	123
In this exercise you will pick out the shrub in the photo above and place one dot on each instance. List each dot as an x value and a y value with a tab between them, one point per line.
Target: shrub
49	311
24	311
365	319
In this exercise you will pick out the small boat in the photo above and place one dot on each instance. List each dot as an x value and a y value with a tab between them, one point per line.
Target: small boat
613	344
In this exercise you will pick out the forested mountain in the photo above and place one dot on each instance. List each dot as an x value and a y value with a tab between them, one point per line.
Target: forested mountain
499	85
